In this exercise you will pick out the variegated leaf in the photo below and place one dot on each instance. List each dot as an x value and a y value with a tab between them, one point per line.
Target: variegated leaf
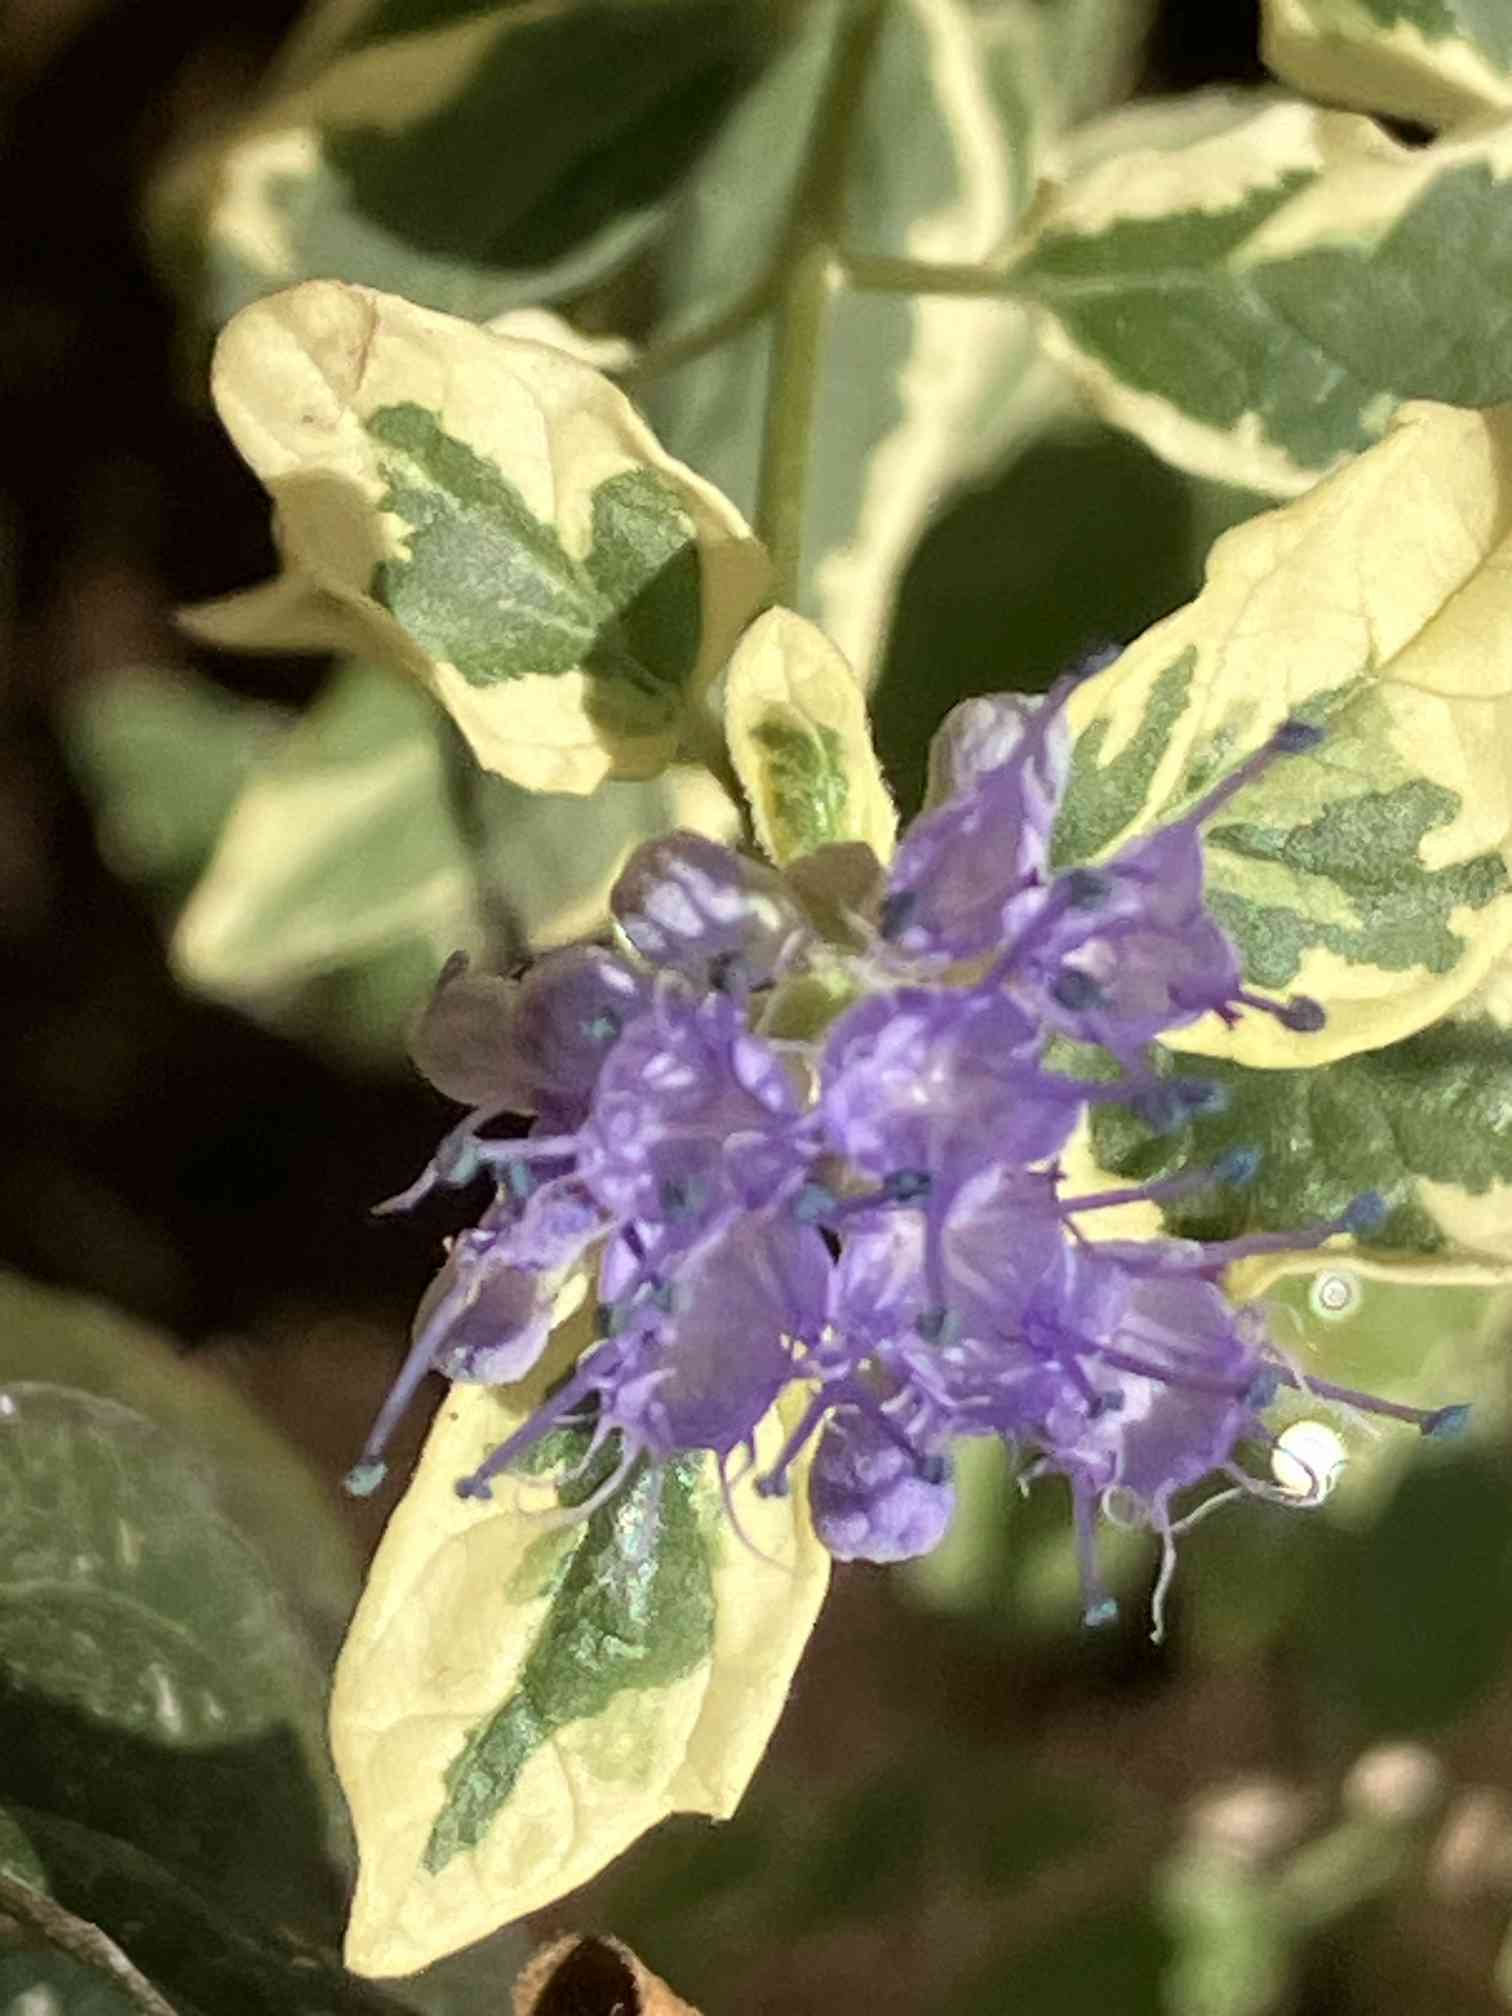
914	395
1256	303
490	515
341	881
1371	873
375	155
796	723
520	1697
1426	1123
1434	61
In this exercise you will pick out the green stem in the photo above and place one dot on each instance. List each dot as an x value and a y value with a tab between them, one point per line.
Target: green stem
792	395
504	940
878	275
660	358
810	271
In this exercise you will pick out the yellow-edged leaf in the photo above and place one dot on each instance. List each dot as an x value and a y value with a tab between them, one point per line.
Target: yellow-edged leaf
1256	299
798	734
493	516
1434	61
1371	873
519	1697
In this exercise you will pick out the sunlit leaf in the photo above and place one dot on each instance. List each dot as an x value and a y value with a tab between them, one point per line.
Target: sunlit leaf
1426	1123
1434	61
796	724
520	1696
1256	303
1371	873
490	515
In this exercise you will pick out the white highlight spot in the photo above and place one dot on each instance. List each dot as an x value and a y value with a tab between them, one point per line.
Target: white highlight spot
1335	1295
167	1706
35	2002
1308	1460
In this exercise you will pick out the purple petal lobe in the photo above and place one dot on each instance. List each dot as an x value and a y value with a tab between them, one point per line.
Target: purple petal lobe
573	1006
464	1040
870	1498
689	904
921	1079
691	1106
998	770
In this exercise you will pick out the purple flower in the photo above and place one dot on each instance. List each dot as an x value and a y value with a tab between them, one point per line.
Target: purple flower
1154	1369
1117	954
694	1358
487	1316
696	908
528	1046
871	1213
924	1079
464	1040
997	732
572	1009
963	867
694	1116
871	1497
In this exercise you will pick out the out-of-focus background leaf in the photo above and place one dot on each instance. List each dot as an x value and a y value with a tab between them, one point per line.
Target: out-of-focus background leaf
173	1588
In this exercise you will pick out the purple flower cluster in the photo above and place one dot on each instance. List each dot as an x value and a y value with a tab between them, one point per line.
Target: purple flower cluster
796	1153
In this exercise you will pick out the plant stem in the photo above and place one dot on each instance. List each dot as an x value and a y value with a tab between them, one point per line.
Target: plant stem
80	1941
792	395
878	275
810	271
660	358
504	940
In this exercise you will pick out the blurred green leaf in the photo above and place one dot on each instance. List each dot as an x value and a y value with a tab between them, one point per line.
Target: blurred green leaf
152	1682
473	159
161	755
862	1861
208	1959
41	1983
156	1671
951	1823
1409	1621
359	858
261	1483
1234	1947
18	1858
1110	1958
